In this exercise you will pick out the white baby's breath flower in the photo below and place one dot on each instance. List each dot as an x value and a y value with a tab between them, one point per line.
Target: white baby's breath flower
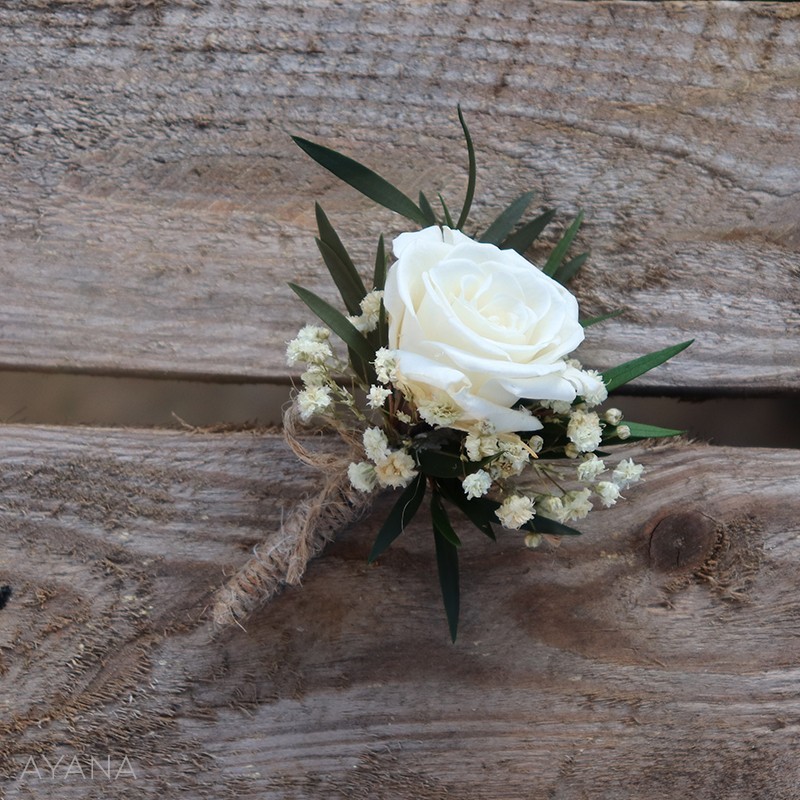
396	470
377	395
627	473
533	540
313	333
360	323
376	445
623	432
584	430
596	392
536	443
515	511
613	416
476	484
362	476
308	351
513	456
590	468
403	417
557	406
550	506
576	504
315	375
513	448
313	400
571	450
437	413
608	492
385	365
370	310
480	446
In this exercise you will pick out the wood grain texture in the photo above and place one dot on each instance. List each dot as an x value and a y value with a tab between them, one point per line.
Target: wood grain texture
656	656
153	206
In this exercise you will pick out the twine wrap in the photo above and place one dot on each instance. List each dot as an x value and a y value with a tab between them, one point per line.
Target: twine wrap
282	558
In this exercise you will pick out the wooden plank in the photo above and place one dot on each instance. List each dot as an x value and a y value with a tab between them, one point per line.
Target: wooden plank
153	206
656	656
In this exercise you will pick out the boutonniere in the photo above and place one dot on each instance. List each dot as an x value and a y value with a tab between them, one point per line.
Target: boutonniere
450	372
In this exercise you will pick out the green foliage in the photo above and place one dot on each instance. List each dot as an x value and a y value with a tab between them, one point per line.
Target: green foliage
499	230
638	431
401	514
363	179
560	250
339	264
528	233
472	172
447	563
622	374
586	323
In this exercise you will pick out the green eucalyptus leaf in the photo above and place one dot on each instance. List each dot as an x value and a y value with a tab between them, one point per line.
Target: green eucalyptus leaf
528	233
462	219
447	564
638	431
426	209
363	179
566	272
586	323
620	375
401	514
497	232
448	220
560	250
336	321
347	280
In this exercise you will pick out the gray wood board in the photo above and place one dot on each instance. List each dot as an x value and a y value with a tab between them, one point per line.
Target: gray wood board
655	656
153	206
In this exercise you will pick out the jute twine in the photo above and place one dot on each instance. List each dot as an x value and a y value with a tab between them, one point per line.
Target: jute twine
282	558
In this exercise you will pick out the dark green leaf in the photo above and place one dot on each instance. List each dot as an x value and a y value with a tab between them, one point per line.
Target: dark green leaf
560	250
479	510
448	220
528	233
566	272
602	318
541	524
639	431
362	179
379	277
497	232
447	563
438	464
348	276
442	522
336	321
347	281
462	220
620	375
401	514
426	209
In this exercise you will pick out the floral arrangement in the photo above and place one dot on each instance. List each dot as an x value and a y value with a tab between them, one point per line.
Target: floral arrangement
455	376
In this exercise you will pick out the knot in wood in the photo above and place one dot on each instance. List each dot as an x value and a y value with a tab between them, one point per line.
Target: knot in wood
682	541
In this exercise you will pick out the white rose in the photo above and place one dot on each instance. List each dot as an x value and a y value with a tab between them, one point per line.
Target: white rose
477	327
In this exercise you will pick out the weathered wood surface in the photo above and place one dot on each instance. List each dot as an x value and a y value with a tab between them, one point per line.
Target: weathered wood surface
656	656
153	206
